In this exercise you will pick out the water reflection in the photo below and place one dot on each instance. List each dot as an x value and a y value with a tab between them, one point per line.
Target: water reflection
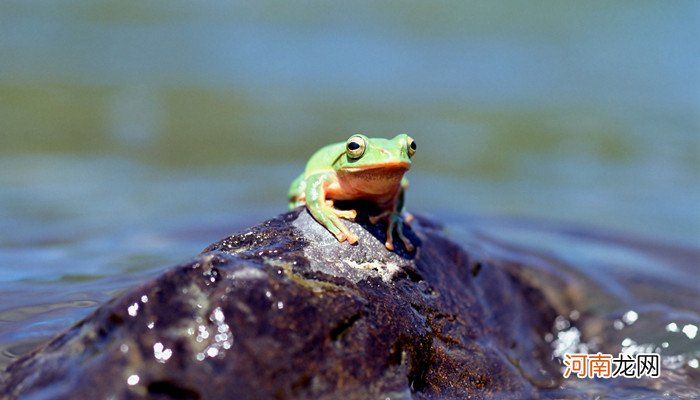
161	353
221	335
133	380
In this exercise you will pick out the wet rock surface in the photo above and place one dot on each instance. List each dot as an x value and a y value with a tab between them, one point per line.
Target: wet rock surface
284	311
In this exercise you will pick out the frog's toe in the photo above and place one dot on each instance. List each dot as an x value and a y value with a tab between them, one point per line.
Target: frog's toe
340	236
406	242
376	218
352	238
348	235
343	233
389	244
400	226
347	214
337	228
408	218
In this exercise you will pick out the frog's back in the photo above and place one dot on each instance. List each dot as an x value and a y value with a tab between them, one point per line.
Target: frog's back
323	159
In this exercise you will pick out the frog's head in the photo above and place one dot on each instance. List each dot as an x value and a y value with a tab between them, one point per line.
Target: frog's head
378	163
364	153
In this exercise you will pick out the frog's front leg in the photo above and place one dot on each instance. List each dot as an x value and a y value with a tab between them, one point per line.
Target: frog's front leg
394	221
323	210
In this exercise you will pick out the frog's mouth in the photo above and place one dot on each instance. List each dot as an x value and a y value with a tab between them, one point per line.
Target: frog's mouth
390	168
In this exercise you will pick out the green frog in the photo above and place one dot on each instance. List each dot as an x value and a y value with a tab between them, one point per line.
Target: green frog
361	168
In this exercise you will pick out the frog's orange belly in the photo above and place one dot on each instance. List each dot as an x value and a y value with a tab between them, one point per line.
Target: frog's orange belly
343	194
376	185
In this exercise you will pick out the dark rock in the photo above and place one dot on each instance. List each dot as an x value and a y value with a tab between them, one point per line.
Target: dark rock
285	311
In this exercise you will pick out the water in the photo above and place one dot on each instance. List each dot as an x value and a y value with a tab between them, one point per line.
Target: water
134	134
614	295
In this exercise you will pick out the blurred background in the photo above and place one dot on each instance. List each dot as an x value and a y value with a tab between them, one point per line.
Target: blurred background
134	133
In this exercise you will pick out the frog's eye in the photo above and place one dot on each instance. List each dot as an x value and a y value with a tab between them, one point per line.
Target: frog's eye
356	146
411	146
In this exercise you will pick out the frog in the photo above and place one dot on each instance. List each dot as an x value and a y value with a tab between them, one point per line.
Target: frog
359	169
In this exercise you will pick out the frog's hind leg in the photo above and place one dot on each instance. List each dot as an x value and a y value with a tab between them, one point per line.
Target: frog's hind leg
297	193
294	203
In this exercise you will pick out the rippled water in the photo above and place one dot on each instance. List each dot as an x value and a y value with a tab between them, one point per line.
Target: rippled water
615	294
134	134
78	231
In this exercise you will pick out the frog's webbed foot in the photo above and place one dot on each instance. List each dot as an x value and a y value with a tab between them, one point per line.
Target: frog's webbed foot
323	210
394	221
345	234
329	217
338	228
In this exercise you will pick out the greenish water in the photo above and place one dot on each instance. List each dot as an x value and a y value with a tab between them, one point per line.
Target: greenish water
133	134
